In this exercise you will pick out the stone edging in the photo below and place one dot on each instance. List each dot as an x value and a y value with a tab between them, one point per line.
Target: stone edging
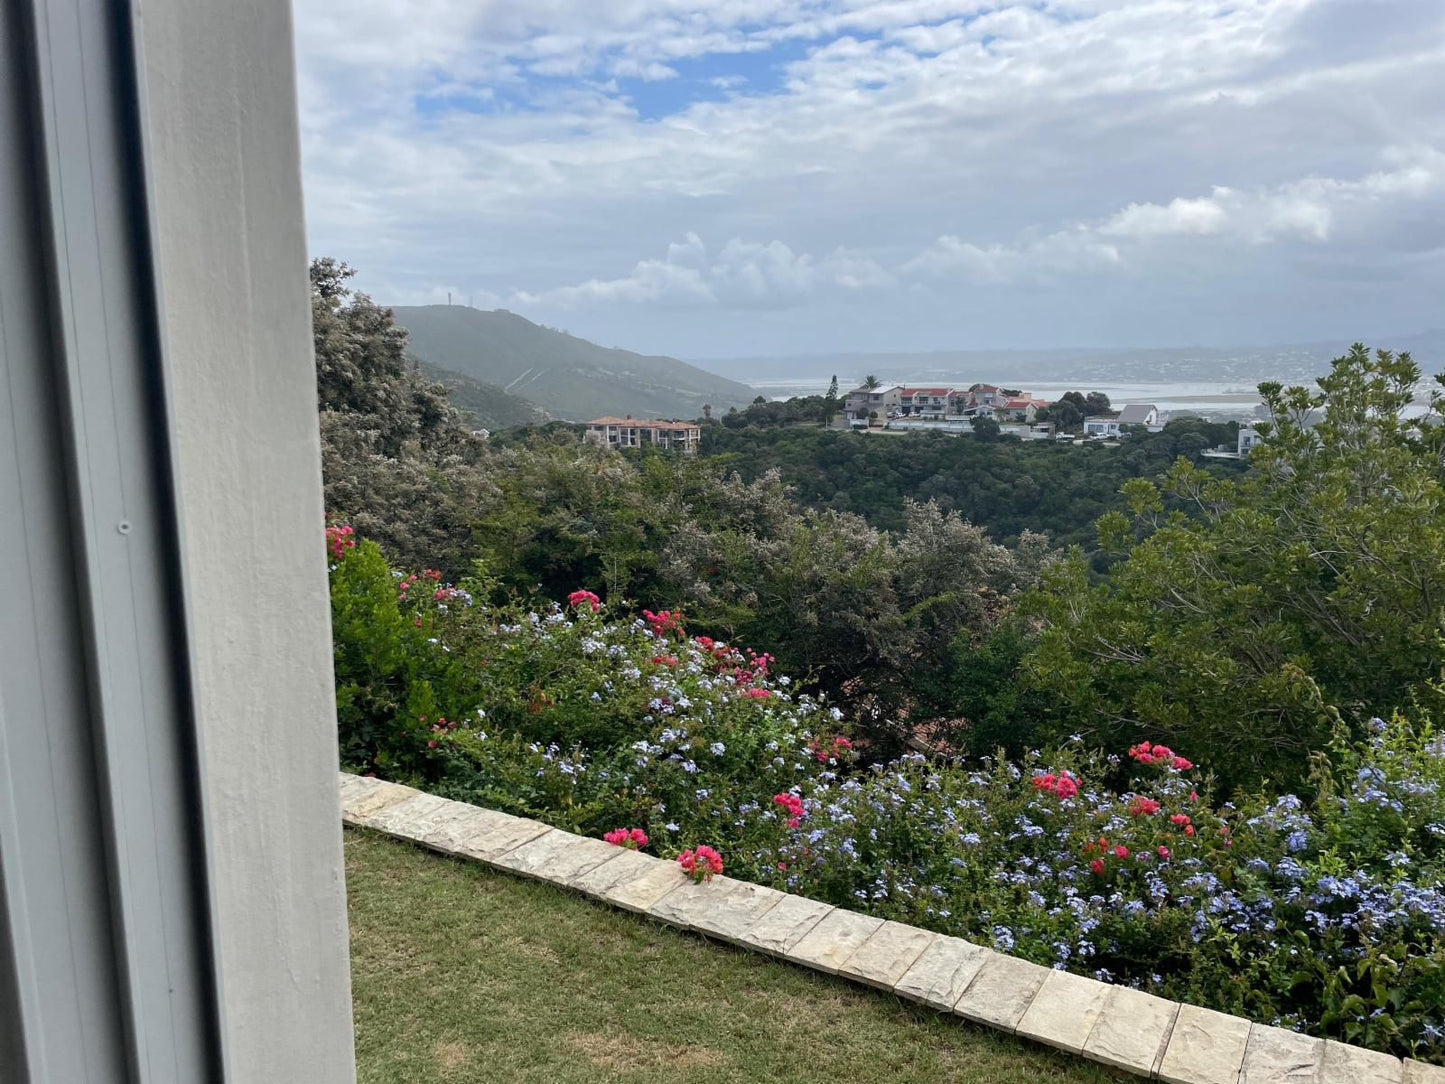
1116	1025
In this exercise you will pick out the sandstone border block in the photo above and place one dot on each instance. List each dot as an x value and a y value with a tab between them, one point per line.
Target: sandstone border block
1132	1030
781	927
1205	1047
882	960
1344	1064
942	973
829	944
1277	1056
1064	1011
1001	991
556	856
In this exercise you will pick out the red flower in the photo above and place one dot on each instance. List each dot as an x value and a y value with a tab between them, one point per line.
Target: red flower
1141	806
1163	852
579	598
1182	764
1179	818
1097	865
1121	851
1189	829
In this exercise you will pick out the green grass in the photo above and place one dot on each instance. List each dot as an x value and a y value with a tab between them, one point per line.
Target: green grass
463	974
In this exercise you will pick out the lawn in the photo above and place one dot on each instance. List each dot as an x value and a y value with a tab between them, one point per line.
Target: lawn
462	974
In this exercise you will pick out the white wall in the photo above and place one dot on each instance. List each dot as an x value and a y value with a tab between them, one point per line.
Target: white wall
222	133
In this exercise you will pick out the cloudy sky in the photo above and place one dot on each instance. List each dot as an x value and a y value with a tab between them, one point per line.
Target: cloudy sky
750	177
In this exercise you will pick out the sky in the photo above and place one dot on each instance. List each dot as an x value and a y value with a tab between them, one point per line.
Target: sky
736	178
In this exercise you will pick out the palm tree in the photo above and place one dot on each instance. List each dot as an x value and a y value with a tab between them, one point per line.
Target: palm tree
871	382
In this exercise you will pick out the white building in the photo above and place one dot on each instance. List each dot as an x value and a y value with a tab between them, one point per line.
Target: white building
867	403
1248	438
670	436
1101	426
1145	414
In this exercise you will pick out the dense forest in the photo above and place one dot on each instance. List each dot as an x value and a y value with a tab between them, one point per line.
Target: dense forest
1007	487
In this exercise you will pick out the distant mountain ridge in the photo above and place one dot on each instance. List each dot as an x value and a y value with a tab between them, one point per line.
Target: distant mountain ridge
565	376
1246	364
489	405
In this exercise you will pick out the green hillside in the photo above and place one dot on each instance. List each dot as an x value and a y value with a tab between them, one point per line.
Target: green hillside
566	376
489	405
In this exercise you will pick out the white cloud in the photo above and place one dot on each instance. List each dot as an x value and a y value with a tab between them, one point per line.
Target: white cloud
742	275
1214	144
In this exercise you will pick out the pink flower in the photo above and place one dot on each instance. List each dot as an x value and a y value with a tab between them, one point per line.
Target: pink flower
1140	805
1097	865
1182	764
1189	829
1163	852
631	838
1062	785
1179	818
700	863
580	598
1121	851
754	693
339	539
792	805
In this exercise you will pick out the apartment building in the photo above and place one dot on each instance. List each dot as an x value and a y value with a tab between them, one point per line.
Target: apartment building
671	436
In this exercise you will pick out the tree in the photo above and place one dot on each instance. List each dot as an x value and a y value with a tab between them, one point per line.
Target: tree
707	412
1096	402
830	401
1249	618
1066	415
871	382
399	461
986	429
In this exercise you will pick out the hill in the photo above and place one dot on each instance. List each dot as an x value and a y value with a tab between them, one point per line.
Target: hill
566	376
489	405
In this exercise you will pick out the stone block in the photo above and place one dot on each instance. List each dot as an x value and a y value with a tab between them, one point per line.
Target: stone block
942	972
556	856
884	958
495	838
1205	1047
1418	1072
354	786
448	833
1064	1011
1000	993
722	907
829	944
1344	1064
1277	1056
1131	1031
398	818
631	881
781	927
355	810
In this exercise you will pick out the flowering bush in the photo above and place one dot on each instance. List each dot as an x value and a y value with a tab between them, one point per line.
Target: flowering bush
1324	912
700	863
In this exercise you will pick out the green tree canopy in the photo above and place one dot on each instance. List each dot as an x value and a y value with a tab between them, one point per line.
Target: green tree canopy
1249	616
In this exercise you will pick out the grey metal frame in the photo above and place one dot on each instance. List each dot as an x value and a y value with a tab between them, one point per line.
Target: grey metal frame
106	968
